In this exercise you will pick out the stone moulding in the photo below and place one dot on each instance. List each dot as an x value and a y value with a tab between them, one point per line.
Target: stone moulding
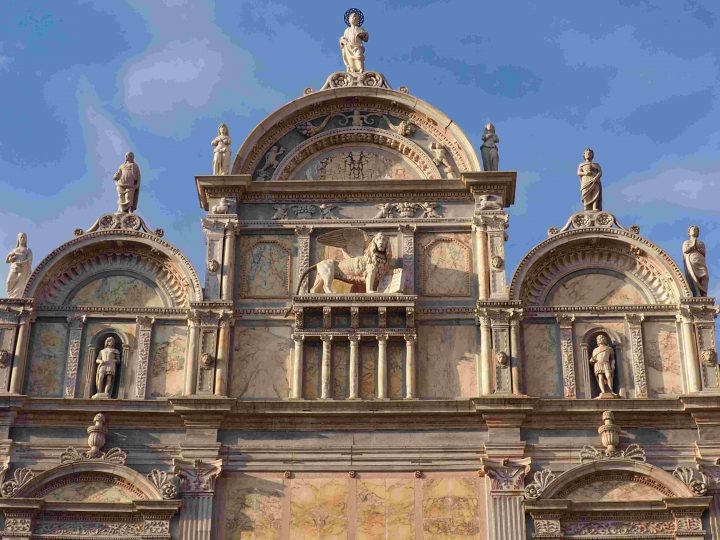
343	79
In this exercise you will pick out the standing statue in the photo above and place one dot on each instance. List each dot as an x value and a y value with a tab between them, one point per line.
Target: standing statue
696	268
20	261
107	361
590	174
127	183
489	149
351	42
603	362
222	152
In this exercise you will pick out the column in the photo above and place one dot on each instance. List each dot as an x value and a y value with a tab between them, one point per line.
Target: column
325	366
297	367
197	488
481	259
17	375
567	352
690	357
144	333
410	341
223	354
303	254
382	366
228	265
634	322
354	365
506	482
76	323
485	372
191	366
516	373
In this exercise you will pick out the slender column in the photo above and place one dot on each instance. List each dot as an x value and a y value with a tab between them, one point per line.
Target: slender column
506	479
485	354
567	352
197	487
634	321
692	370
354	361
297	367
325	367
191	365
482	260
518	387
410	341
223	354
382	366
17	376
228	267
76	322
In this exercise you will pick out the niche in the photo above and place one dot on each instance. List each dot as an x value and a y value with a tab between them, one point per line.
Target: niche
593	341
103	380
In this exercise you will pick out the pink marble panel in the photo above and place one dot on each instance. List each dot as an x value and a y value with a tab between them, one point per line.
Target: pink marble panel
452	509
595	289
385	509
47	359
396	369
260	363
252	506
368	369
340	369
662	359
445	264
543	371
318	508
311	369
167	360
614	491
447	366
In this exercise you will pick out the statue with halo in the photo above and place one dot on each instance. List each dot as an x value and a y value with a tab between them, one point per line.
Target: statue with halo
352	41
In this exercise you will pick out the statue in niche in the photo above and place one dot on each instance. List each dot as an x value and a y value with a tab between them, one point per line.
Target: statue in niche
590	174
20	261
127	183
696	268
352	41
271	160
489	149
107	361
221	152
603	362
367	260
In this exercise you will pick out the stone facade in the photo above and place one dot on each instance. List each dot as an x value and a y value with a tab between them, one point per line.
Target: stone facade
459	400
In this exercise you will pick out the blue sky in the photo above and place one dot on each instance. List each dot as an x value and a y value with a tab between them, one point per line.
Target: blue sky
637	80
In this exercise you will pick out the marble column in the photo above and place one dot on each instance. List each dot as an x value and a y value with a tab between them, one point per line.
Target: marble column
17	375
485	371
325	367
634	322
76	323
228	264
506	483
382	366
197	488
191	366
516	373
690	356
354	366
223	354
410	367
297	367
567	353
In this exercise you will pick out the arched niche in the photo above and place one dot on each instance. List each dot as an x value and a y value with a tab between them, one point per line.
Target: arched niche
95	344
614	498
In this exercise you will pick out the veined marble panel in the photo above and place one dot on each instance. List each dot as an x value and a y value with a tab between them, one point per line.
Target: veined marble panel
396	369
447	366
47	359
662	359
385	509
541	343
252	506
260	363
368	369
445	264
340	369
595	288
118	290
312	360
265	264
614	491
167	360
452	509
318	508
90	492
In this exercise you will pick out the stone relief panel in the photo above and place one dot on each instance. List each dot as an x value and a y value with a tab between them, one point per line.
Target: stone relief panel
662	359
447	367
592	289
252	506
97	491
47	359
614	490
118	290
318	508
167	361
357	163
452	508
261	362
445	264
385	508
541	343
265	266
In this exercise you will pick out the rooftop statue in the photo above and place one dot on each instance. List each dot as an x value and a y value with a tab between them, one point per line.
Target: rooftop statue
20	261
221	152
590	174
696	268
351	42
489	149
127	183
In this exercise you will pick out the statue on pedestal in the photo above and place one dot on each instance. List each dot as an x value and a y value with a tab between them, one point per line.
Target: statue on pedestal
222	151
20	261
127	183
489	149
696	268
603	362
590	174
351	42
107	361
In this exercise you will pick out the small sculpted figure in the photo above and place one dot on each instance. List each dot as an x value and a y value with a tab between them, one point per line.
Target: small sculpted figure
271	159
590	174
440	158
603	362
489	149
696	268
352	42
384	211
107	362
20	261
222	151
127	183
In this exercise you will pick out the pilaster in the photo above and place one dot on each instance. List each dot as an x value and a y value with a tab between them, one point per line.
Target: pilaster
197	488
634	322
302	232
144	333
408	256
567	351
76	324
505	479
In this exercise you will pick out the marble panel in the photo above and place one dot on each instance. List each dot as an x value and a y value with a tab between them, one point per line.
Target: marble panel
47	359
118	290
368	369
445	264
252	506
340	370
166	375
260	363
312	360
90	492
265	266
543	371
396	369
614	491
385	509
451	508
662	359
591	289
446	362
318	508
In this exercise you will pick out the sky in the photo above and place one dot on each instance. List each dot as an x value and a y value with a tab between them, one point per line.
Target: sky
637	80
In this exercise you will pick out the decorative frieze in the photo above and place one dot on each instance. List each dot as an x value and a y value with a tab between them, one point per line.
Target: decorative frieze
567	353
144	340
634	322
76	324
